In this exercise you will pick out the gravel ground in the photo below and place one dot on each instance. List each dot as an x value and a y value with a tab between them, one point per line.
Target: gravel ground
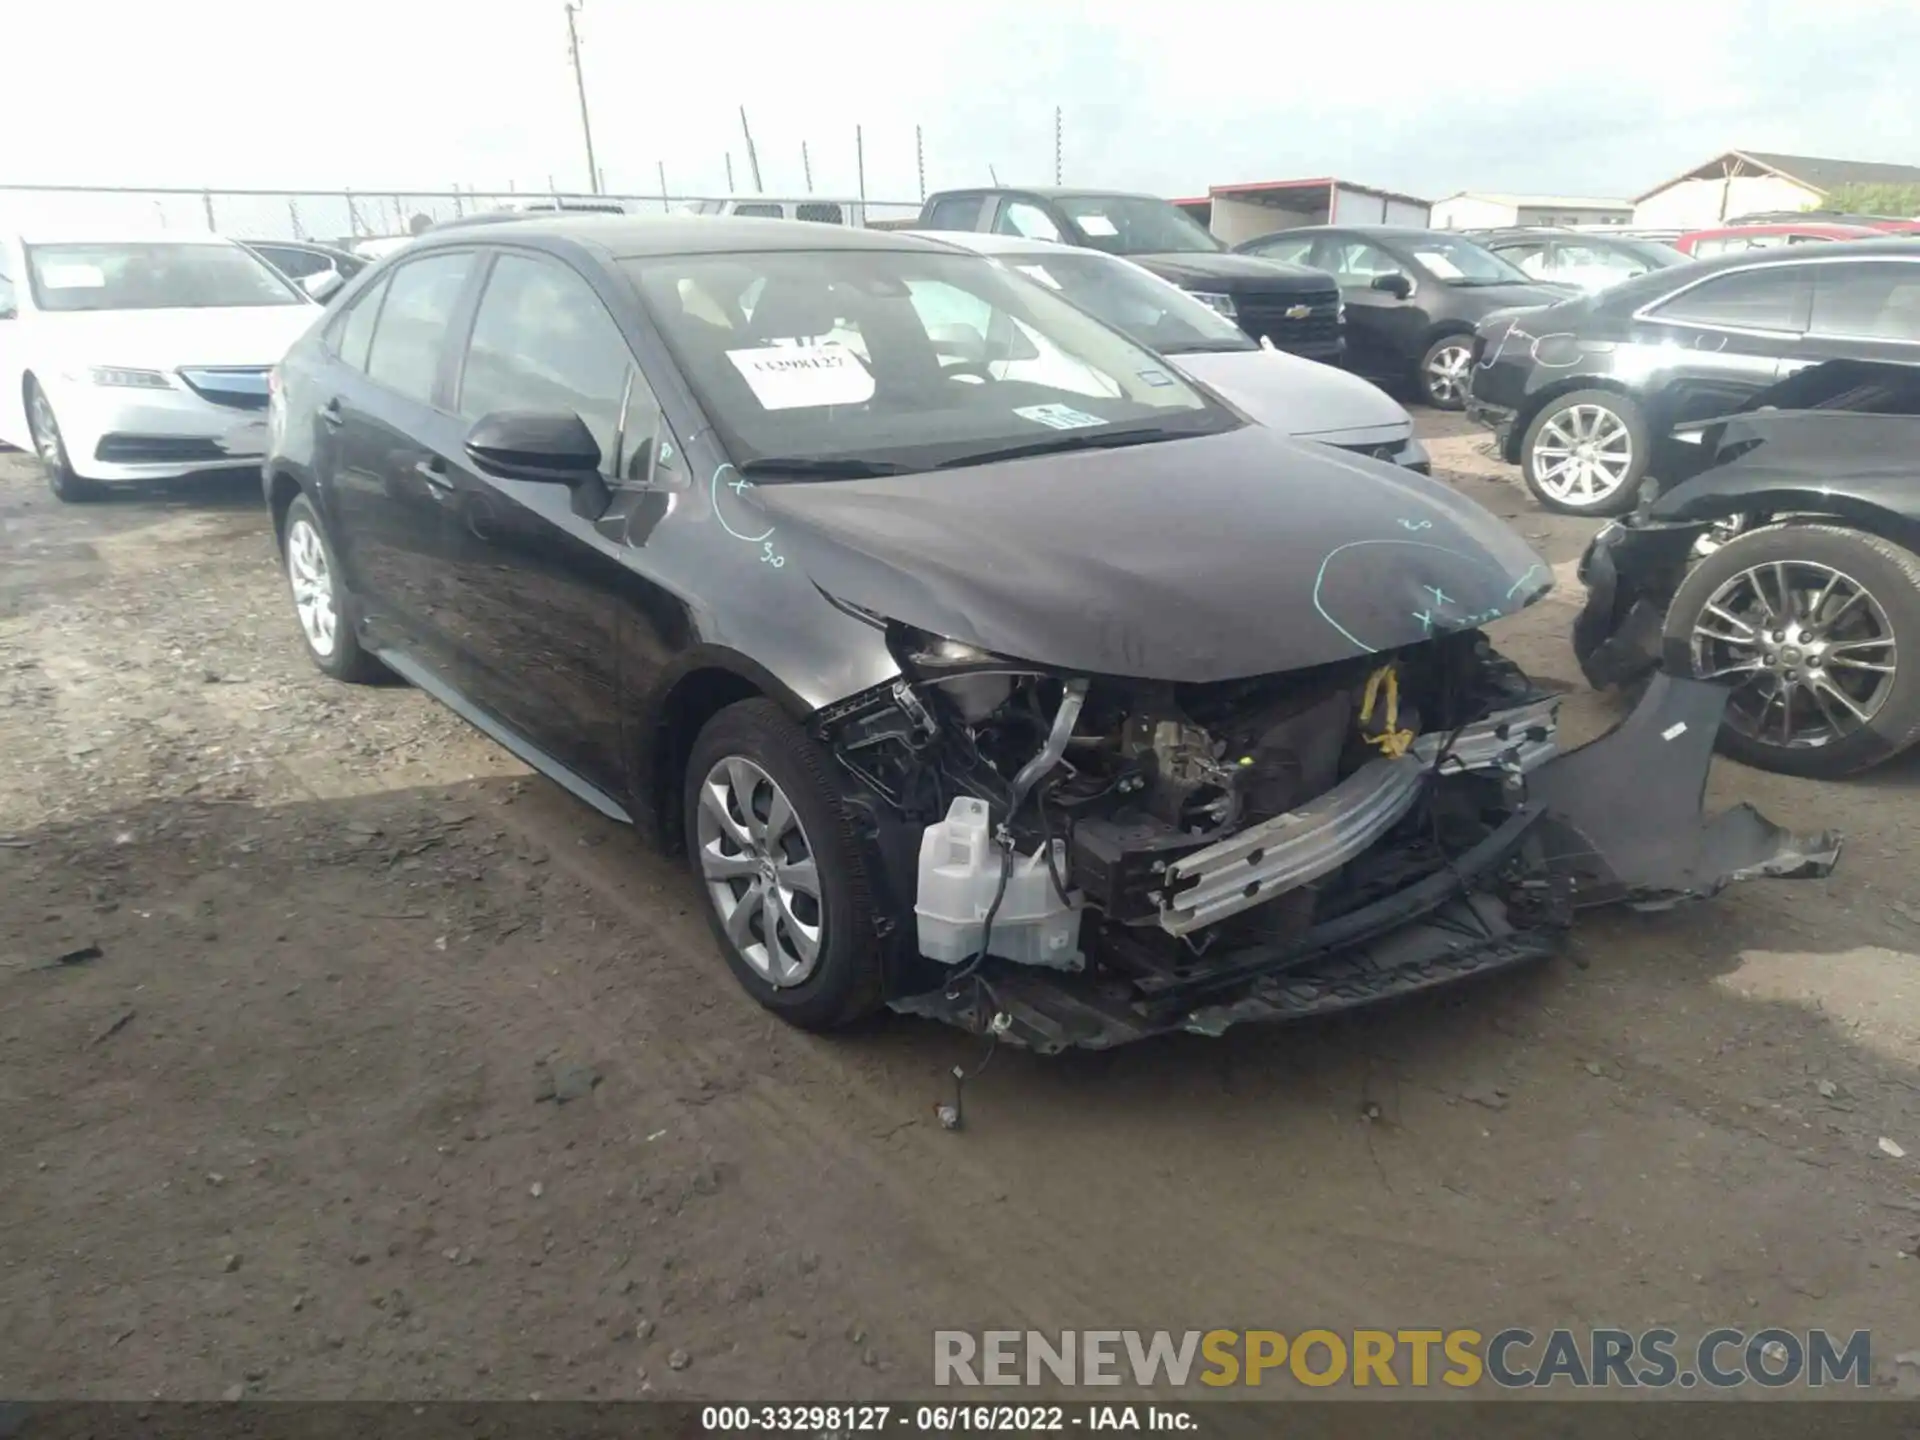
378	1067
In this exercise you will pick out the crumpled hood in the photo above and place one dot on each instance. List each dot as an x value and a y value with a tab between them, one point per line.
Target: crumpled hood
1300	396
1208	559
167	339
1195	270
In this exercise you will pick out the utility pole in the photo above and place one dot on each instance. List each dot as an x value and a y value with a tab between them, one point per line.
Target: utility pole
1056	144
753	156
860	160
580	84
661	165
920	163
806	166
993	175
729	172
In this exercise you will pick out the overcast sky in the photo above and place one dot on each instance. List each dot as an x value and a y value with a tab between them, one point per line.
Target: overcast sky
1423	96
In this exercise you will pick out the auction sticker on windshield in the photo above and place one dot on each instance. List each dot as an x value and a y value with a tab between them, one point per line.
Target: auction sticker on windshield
1097	225
793	377
1059	417
73	277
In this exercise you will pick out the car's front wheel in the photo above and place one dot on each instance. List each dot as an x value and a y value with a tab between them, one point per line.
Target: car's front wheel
320	600
1806	624
781	869
51	448
1444	371
1586	453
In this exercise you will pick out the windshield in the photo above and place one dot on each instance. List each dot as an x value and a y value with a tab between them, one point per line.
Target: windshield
153	276
1136	225
1461	262
1161	316
1653	252
903	360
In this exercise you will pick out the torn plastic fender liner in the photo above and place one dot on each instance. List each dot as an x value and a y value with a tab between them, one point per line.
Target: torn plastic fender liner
1624	813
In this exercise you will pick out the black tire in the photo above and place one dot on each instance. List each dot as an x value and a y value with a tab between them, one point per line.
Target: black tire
1568	411
50	449
345	660
1889	574
847	980
1445	390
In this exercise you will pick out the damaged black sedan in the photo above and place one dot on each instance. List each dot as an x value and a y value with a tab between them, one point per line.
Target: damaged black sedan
980	664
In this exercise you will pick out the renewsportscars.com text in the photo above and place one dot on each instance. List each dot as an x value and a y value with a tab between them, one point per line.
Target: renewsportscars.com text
1415	1358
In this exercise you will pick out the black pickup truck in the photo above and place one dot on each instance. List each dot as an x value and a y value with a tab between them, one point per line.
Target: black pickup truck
1295	308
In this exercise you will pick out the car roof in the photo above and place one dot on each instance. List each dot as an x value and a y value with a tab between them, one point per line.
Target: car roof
1049	192
626	237
1384	232
1805	227
1883	245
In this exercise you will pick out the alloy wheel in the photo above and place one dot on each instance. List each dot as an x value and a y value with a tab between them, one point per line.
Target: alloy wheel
1808	649
46	431
760	871
312	580
1583	455
1446	375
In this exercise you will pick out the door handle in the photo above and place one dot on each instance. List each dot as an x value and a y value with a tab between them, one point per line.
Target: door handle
434	471
330	414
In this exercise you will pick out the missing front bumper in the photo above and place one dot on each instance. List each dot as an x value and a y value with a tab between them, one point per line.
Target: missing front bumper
1617	821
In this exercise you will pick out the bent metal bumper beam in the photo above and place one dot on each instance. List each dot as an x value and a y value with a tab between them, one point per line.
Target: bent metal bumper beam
1297	848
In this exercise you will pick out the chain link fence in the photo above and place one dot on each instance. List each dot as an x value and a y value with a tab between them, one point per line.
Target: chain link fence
340	217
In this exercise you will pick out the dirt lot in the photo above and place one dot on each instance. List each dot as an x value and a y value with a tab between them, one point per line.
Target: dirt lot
284	1135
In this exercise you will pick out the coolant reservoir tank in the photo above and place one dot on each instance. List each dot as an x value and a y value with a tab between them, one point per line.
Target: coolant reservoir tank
959	875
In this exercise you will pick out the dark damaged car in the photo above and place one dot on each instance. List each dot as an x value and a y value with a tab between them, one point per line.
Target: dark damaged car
1786	568
1052	698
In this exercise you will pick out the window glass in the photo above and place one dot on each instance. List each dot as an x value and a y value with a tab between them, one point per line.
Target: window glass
1357	261
412	329
760	209
956	212
1771	297
1879	301
822	212
1289	251
350	332
543	341
1137	225
640	430
1023	217
153	275
292	263
1531	257
1134	301
903	358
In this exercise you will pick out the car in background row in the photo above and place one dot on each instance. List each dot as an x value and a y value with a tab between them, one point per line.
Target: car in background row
1299	397
1413	298
1586	262
1585	396
1735	239
1291	305
139	357
1784	569
1888	224
815	209
308	263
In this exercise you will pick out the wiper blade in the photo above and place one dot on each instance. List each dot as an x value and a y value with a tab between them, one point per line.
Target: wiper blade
814	467
1057	444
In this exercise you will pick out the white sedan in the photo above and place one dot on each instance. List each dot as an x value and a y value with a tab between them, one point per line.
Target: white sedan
137	358
1301	397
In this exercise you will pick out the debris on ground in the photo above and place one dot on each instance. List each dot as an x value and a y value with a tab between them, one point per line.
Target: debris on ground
1890	1147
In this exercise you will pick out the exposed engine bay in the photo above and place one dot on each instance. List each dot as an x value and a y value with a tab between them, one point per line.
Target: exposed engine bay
1081	861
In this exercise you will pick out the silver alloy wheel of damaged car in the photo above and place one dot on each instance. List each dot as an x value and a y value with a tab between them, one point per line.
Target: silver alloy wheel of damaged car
1443	371
1810	650
51	448
311	578
1585	453
760	871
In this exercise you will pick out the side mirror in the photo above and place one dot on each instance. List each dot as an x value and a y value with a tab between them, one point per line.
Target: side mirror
552	447
1395	284
321	285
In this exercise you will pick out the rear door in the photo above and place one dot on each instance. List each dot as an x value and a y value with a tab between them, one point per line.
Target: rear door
1724	338
539	581
1863	310
395	431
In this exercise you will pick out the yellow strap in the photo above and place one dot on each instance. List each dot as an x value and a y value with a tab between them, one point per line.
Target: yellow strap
1392	740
